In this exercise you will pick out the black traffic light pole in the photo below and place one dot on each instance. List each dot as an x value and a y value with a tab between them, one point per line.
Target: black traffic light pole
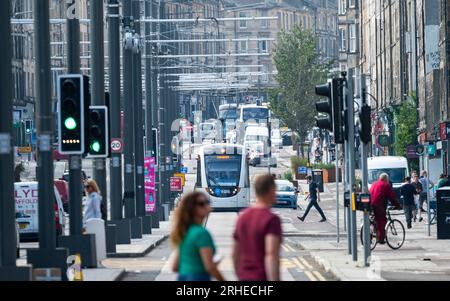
139	126
150	90
77	243
351	159
123	227
47	256
98	85
8	269
129	180
365	136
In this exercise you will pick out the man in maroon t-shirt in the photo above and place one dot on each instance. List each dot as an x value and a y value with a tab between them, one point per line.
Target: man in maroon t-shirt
258	235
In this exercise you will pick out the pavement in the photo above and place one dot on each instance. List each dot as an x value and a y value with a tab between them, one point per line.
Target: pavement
421	258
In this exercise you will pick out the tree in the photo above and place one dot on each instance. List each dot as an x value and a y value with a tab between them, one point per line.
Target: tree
406	126
300	69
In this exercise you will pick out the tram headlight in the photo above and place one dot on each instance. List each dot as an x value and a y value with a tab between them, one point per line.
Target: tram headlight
209	191
236	190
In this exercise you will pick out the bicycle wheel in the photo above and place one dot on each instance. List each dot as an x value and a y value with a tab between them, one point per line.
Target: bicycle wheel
395	234
373	236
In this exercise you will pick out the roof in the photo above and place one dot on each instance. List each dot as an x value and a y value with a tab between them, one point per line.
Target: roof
387	161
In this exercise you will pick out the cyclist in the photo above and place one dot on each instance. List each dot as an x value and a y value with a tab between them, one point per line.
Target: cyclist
381	192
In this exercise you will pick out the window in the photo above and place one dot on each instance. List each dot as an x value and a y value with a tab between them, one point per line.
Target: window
243	46
352	38
342	7
263	47
352	3
264	23
343	43
243	23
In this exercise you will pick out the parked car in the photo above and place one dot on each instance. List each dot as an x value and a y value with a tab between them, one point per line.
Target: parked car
286	194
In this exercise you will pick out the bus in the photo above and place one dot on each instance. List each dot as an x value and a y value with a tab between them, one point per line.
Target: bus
254	115
223	174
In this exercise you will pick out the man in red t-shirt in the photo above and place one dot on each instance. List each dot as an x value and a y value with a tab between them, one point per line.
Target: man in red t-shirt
258	235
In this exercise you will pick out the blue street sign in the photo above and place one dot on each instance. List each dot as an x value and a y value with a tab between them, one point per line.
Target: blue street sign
184	170
302	170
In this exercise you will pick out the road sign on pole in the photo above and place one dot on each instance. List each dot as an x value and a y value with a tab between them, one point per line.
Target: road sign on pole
176	184
116	146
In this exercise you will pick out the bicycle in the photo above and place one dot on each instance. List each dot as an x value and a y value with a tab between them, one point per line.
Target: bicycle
395	232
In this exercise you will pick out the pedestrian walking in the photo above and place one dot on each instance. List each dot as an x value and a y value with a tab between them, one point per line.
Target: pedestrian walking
195	248
407	192
419	188
314	199
258	236
426	185
381	193
92	207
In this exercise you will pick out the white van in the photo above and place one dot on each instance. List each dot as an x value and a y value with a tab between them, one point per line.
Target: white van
395	167
253	136
27	215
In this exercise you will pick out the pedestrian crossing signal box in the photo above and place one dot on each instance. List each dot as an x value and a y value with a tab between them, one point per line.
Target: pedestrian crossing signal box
362	201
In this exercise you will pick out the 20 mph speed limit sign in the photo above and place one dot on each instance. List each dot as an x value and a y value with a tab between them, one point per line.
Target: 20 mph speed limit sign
116	146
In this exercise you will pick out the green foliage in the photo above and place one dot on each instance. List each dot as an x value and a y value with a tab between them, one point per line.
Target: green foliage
406	126
323	166
300	69
297	161
288	175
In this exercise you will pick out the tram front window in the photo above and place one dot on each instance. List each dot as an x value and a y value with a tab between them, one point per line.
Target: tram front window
223	174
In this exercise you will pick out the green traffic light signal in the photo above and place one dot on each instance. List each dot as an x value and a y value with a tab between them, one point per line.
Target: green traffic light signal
70	123
95	146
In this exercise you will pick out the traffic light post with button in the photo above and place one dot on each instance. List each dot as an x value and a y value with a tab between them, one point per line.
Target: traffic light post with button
72	109
98	132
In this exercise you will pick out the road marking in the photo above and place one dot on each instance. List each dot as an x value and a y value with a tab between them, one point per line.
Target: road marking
319	276
298	263
305	263
290	248
285	248
310	275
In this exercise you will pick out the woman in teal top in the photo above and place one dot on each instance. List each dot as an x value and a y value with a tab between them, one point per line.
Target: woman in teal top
195	246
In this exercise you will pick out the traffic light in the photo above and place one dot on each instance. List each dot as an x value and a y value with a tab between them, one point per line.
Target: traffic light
73	103
332	108
98	132
365	124
154	145
325	107
29	126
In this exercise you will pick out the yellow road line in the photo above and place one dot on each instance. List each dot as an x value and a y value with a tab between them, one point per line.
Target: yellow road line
298	263
319	276
305	263
290	248
310	275
285	248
